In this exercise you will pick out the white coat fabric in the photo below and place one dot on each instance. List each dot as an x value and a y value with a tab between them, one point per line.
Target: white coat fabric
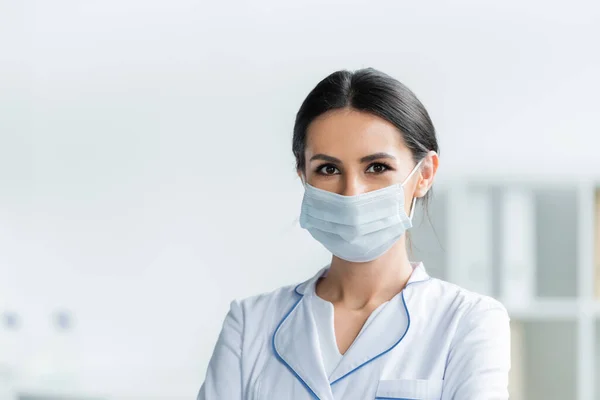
323	313
434	340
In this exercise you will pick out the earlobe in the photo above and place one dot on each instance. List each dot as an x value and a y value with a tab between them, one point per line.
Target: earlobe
422	188
420	192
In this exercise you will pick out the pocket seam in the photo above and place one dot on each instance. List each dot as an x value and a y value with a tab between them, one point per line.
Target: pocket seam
409	389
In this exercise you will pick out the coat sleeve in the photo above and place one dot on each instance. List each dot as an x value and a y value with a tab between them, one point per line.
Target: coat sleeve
224	374
479	359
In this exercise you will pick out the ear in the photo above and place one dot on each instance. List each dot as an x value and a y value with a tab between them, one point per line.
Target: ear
427	174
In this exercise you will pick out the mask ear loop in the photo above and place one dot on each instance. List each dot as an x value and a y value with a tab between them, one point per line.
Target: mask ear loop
303	180
414	200
412	208
413	172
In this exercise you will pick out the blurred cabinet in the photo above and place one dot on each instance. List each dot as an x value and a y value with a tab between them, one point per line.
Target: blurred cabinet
543	355
557	220
597	358
535	246
471	239
518	233
517	376
517	242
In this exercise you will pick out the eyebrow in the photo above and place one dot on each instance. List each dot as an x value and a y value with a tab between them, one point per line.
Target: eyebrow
376	156
371	157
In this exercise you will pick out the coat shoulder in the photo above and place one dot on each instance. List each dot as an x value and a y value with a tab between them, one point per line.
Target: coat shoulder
456	299
272	303
459	297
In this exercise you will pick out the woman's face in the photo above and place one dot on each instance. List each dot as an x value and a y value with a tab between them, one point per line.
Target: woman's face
351	152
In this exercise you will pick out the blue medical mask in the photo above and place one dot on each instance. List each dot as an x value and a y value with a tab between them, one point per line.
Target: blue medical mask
357	228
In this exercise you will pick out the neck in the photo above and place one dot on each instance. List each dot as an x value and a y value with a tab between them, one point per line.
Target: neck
360	285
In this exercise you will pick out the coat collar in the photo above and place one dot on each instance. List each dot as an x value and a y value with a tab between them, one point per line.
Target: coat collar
296	342
419	274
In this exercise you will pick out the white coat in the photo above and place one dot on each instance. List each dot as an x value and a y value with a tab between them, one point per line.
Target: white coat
434	340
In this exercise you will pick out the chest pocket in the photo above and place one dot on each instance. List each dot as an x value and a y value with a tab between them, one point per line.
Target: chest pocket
409	389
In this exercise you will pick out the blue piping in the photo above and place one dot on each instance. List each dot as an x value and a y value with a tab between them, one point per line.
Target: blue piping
281	358
386	351
380	354
355	369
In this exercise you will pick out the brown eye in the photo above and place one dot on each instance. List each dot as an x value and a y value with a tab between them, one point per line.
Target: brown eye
328	169
377	168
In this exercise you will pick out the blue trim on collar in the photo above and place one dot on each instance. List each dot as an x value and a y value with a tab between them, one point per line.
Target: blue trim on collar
281	358
355	369
386	351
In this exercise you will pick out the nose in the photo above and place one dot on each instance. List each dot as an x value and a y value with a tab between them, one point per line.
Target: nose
353	185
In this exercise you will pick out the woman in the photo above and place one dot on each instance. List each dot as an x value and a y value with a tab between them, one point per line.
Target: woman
372	324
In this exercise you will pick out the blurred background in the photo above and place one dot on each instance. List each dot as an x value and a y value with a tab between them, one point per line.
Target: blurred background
147	178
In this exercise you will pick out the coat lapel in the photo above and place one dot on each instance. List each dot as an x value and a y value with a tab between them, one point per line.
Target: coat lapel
296	344
383	333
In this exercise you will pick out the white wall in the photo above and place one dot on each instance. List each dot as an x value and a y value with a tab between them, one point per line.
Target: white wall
146	175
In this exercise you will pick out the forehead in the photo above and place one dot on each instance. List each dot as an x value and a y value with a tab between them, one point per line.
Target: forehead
350	131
